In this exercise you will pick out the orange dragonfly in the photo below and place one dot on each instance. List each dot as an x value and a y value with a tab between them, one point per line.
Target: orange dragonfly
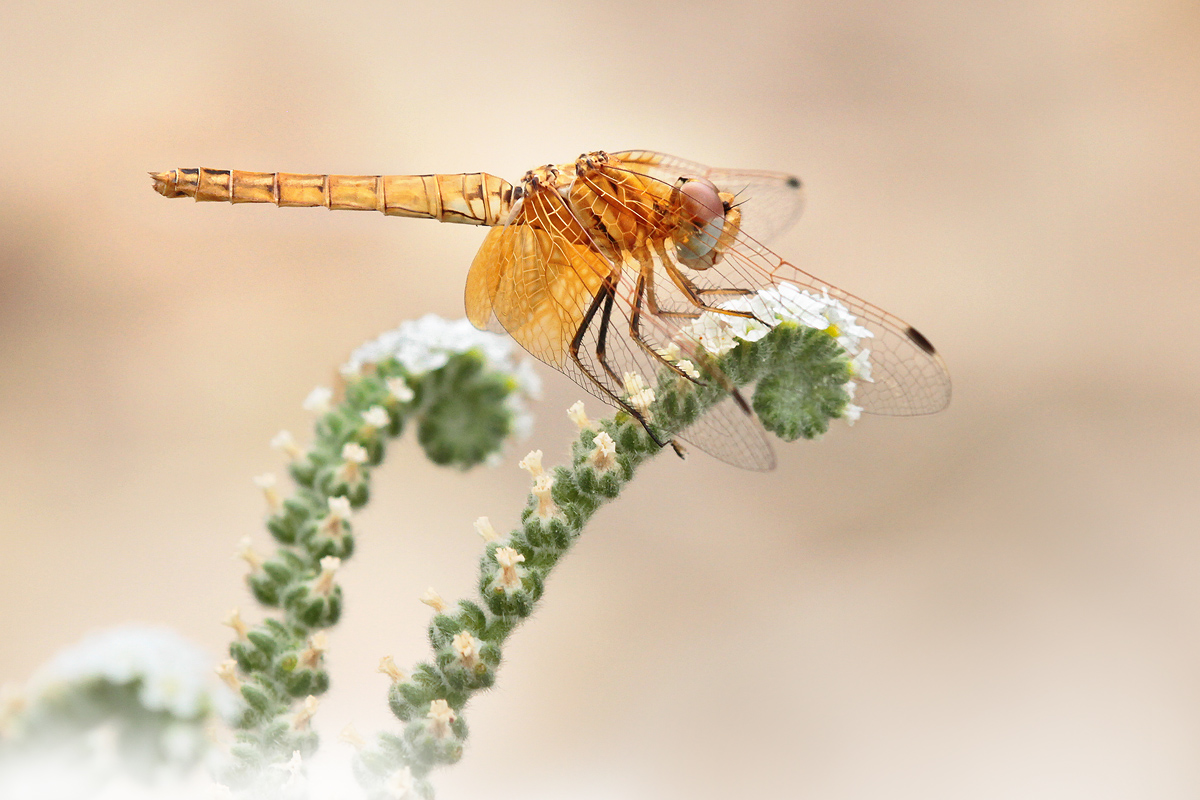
600	267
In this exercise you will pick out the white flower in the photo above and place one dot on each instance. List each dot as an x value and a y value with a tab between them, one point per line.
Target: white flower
546	508
440	717
428	343
318	400
671	352
376	417
351	736
323	585
639	395
318	645
711	332
434	600
399	784
578	415
510	574
171	674
749	329
340	507
247	553
603	455
466	647
689	369
334	523
483	526
532	463
266	482
860	365
234	620
400	390
387	665
354	452
285	442
300	720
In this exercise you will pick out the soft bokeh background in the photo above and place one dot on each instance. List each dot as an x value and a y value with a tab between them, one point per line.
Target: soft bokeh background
1001	601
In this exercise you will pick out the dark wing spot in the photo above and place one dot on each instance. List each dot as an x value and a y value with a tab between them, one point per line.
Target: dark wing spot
793	182
920	341
741	401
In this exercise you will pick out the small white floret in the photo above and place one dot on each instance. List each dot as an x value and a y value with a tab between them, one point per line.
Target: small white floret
234	620
532	463
441	716
483	526
353	451
387	665
510	573
466	647
546	507
376	417
227	671
318	400
434	600
286	443
323	585
318	645
308	710
604	455
399	785
579	416
247	553
400	390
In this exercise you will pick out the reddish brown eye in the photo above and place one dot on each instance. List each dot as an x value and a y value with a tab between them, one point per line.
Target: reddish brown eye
701	201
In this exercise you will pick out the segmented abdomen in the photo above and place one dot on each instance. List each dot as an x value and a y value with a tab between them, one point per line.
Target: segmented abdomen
474	198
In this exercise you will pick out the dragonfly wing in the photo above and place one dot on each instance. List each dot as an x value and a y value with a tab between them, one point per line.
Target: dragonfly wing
570	308
770	202
907	375
492	262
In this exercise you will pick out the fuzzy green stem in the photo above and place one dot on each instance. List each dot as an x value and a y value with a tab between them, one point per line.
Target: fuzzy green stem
801	375
462	417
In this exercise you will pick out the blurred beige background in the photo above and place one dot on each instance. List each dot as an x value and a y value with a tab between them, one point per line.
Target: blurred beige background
1002	601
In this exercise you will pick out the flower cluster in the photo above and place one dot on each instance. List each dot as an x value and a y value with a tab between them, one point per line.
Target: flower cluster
787	303
463	394
801	372
129	702
427	344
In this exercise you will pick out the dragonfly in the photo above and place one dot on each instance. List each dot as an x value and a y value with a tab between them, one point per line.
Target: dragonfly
598	268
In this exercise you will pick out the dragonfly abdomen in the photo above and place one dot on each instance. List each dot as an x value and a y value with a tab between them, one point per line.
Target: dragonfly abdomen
474	198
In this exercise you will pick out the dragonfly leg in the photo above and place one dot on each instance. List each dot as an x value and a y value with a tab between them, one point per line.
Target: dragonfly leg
603	303
644	290
696	295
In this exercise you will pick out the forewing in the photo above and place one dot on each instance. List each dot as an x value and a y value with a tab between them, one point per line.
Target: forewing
770	202
493	261
549	294
908	377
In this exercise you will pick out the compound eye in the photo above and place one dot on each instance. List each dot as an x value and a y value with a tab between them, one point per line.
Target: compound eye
701	201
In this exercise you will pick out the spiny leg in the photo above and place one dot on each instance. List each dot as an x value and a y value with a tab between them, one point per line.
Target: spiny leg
604	300
644	290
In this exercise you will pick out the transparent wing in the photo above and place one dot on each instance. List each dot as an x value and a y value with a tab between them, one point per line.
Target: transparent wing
543	279
908	377
770	202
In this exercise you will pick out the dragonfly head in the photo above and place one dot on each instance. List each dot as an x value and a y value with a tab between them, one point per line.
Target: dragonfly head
707	215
